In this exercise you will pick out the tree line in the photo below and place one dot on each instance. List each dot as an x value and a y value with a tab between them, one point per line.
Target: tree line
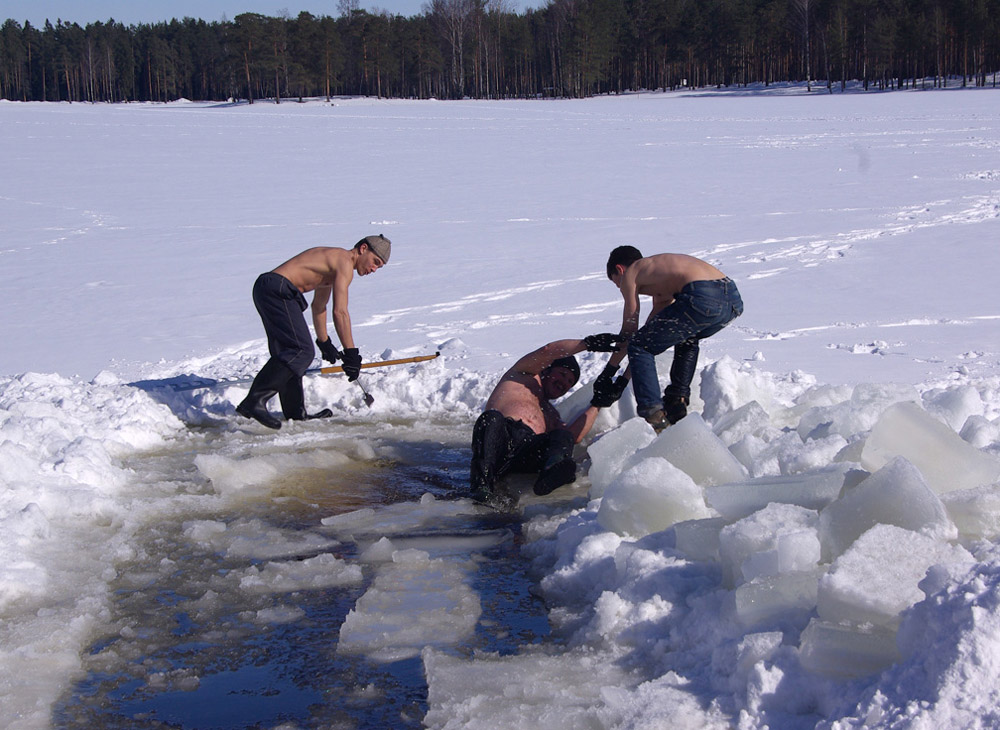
483	49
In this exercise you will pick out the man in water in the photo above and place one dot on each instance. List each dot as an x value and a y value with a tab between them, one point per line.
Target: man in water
692	300
278	295
520	431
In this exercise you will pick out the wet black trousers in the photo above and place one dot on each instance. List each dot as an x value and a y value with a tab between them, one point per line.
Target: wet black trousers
280	305
502	446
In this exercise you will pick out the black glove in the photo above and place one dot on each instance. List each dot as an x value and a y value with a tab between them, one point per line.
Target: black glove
352	363
607	389
329	351
606	342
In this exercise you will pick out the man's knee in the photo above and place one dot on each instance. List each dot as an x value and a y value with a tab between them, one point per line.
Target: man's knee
561	443
488	420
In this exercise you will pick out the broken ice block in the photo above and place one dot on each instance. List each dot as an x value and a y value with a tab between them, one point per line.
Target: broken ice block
894	495
813	490
747	419
976	511
859	414
691	446
785	597
699	539
877	577
980	431
847	652
946	461
780	538
955	405
610	452
649	497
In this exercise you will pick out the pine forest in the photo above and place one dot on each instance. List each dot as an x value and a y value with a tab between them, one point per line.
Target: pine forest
484	49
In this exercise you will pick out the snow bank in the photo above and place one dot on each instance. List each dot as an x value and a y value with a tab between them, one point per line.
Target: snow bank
841	575
770	566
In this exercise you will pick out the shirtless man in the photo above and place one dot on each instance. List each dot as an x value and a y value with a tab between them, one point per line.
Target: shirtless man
692	300
278	296
520	431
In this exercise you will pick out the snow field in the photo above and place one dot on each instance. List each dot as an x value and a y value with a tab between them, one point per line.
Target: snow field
855	406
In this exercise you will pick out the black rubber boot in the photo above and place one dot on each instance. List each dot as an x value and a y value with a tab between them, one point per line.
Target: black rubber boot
555	476
292	399
675	407
271	378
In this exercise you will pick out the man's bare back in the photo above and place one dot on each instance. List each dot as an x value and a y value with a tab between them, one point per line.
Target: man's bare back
662	276
520	396
317	266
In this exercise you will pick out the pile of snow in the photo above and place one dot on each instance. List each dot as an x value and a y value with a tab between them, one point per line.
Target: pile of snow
818	560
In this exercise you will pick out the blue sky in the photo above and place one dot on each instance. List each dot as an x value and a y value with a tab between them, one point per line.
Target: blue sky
151	11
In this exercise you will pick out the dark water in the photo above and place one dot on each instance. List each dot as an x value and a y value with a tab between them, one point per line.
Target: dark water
180	660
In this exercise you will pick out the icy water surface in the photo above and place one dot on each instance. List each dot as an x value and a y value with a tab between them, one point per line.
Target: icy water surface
233	618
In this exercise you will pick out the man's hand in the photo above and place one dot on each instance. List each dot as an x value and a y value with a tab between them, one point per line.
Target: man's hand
329	350
607	389
605	342
352	363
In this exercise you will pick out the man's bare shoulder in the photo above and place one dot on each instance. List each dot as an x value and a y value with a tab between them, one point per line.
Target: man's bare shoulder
316	266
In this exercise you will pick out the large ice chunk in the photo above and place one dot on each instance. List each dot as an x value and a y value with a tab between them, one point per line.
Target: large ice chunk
894	495
691	446
813	490
649	497
699	539
847	652
727	385
860	413
610	452
955	406
877	577
780	538
747	419
980	431
976	511
947	462
785	597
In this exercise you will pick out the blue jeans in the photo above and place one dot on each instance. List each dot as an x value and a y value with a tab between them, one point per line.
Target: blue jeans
701	309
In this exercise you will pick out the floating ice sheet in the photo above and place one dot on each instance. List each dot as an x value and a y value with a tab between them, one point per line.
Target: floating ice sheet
414	601
523	692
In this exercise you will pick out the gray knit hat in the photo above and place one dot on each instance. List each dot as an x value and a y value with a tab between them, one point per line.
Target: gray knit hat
379	244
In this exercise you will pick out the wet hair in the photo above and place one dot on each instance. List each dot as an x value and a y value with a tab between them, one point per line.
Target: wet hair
624	255
569	362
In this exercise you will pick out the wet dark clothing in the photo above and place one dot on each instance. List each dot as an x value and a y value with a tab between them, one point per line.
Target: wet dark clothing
280	305
502	446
